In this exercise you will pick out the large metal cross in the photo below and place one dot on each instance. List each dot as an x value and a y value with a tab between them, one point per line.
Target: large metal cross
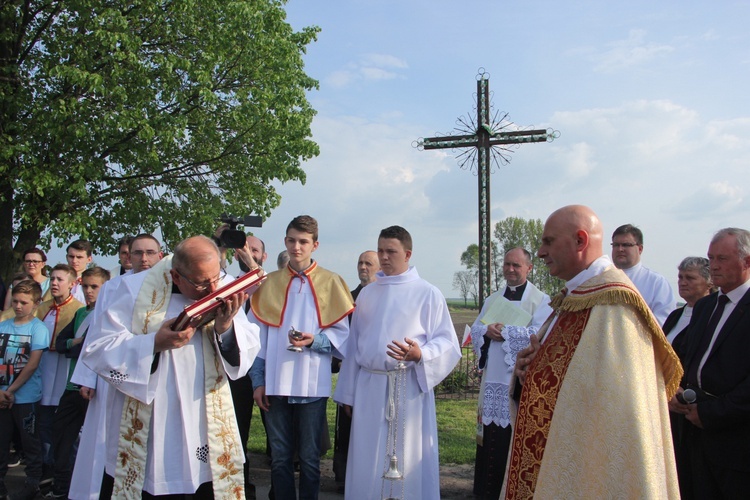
488	142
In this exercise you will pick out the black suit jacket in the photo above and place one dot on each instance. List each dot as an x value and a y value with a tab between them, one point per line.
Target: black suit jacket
725	437
678	343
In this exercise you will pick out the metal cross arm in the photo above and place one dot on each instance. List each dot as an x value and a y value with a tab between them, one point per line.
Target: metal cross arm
484	141
496	139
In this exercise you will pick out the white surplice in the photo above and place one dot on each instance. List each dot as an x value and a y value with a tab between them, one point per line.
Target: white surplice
177	434
86	481
501	356
392	308
305	374
655	290
54	368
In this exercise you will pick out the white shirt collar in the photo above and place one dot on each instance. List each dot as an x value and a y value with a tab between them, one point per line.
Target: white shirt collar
595	268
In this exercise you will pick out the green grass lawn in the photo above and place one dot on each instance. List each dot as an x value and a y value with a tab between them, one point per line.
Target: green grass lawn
456	429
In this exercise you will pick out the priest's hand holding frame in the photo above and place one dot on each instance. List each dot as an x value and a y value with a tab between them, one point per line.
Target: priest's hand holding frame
229	309
408	350
166	339
525	357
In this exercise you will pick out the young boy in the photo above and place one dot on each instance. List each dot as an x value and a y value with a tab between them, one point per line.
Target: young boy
292	387
72	408
78	256
22	341
57	314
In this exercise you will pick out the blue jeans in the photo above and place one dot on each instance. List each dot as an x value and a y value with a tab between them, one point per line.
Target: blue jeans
297	427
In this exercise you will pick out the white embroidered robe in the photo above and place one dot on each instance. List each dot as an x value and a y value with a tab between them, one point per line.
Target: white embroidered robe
92	449
501	356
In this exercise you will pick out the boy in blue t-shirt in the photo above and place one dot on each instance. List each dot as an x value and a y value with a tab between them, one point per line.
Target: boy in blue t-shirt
22	341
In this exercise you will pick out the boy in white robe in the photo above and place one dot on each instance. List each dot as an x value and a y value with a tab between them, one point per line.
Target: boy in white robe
399	305
293	387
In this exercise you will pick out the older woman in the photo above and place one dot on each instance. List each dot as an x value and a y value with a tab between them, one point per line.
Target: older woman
693	283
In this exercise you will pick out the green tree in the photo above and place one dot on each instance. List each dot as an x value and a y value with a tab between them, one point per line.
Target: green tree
470	258
118	117
514	232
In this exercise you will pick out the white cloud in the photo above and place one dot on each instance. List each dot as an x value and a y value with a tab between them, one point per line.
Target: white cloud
368	67
716	200
384	61
633	51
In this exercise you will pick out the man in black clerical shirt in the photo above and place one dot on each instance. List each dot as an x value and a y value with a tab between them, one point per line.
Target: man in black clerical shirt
494	442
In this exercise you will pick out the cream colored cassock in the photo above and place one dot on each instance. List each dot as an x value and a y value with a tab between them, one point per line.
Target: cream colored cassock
391	308
178	431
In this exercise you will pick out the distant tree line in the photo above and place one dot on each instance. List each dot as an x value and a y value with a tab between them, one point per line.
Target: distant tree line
509	233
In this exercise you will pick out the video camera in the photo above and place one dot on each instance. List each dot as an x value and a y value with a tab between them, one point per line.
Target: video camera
232	237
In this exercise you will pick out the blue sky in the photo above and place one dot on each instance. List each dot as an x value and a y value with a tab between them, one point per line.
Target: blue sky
650	98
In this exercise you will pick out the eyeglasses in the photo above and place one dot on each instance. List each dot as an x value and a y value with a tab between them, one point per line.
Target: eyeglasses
141	253
624	245
199	287
35	262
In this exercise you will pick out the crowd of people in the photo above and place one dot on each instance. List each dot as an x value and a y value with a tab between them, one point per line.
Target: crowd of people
606	389
123	405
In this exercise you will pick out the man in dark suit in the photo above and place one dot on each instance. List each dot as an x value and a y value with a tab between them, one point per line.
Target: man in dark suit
717	367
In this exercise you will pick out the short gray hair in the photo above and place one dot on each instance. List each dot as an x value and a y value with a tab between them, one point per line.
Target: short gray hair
699	264
742	236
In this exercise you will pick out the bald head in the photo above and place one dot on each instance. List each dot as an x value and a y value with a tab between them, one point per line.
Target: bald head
192	251
367	265
571	241
196	267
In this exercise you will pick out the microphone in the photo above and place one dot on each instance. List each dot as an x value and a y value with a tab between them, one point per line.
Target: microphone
687	397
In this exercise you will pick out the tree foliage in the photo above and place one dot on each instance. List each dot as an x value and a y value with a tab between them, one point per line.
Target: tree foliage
513	232
118	117
510	233
470	258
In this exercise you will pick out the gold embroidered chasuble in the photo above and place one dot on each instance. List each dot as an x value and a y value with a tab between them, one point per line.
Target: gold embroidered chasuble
592	419
224	451
333	301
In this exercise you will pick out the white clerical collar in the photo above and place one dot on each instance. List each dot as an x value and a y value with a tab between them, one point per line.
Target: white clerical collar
595	268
